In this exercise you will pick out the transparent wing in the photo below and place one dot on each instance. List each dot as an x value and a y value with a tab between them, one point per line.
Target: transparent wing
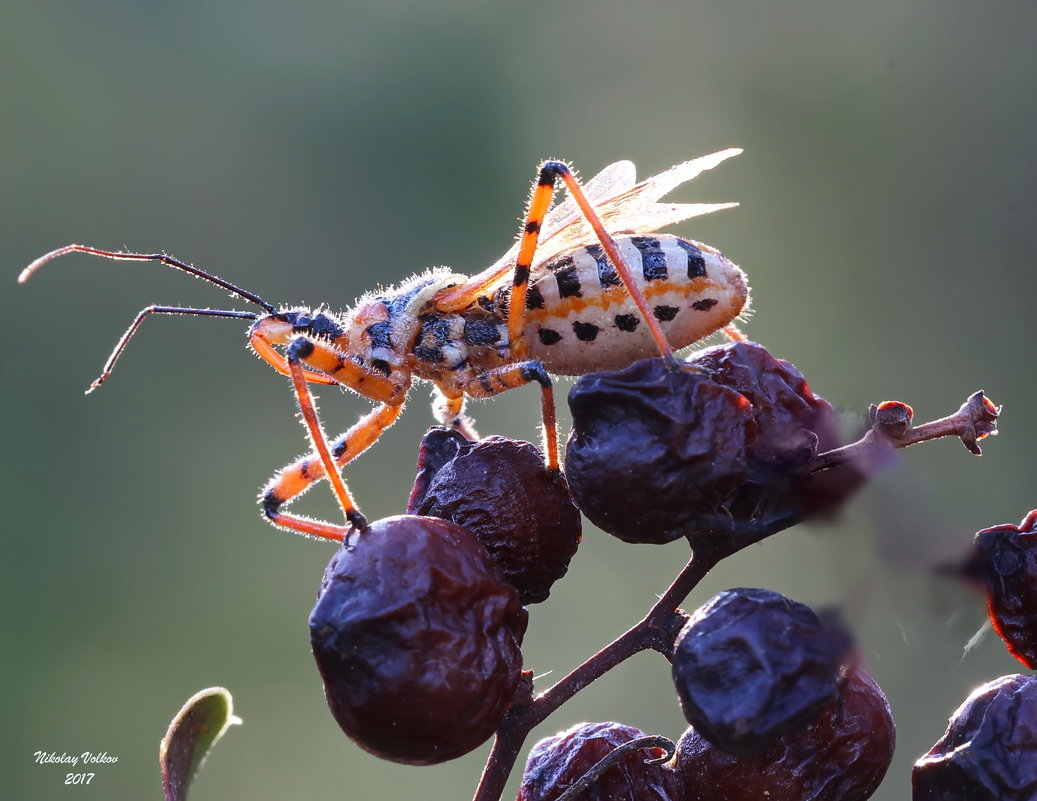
614	180
624	207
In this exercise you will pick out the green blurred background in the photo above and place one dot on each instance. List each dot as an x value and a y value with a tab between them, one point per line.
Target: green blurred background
309	151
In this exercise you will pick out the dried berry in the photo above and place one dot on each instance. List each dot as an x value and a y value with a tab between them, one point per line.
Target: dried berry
652	448
989	751
750	665
555	763
1006	558
728	440
841	755
417	639
500	491
792	426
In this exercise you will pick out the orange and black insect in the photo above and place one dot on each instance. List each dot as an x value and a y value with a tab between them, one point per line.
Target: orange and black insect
588	286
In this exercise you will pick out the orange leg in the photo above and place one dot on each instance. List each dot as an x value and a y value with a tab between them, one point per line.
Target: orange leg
266	352
448	409
333	365
294	479
734	333
493	382
301	348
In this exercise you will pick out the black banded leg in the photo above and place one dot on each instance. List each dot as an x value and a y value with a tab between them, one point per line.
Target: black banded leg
501	379
299	348
550	172
294	479
448	410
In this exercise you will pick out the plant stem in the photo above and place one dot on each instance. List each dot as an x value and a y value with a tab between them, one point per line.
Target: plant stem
891	429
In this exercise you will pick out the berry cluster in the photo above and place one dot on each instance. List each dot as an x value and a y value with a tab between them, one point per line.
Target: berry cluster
418	626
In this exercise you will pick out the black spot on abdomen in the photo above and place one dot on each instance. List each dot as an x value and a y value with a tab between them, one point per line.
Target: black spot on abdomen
665	313
549	336
585	332
627	322
704	305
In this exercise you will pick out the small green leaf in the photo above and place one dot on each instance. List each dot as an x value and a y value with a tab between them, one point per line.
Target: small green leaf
191	735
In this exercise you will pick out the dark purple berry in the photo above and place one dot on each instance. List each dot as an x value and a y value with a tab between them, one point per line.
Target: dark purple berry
1006	558
555	763
652	448
500	491
750	665
841	755
728	442
417	639
793	425
989	751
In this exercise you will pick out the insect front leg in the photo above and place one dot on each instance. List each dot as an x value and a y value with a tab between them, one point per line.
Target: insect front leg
294	479
298	476
500	379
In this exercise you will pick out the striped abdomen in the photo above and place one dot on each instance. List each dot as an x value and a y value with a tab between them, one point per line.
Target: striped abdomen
581	318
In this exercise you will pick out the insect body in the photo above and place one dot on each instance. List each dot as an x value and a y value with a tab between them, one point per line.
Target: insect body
587	287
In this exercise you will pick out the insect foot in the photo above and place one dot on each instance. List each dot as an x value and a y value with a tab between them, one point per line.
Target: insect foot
725	444
499	490
417	640
557	763
989	751
751	665
1006	558
842	755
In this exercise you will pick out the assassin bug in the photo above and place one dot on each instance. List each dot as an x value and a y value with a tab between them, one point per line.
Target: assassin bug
565	299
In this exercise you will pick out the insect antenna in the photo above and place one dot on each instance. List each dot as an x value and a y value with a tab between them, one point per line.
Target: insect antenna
161	257
164	259
120	346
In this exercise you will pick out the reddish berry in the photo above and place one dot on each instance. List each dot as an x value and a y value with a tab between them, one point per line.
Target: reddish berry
555	763
750	665
1006	558
500	491
417	639
989	751
841	755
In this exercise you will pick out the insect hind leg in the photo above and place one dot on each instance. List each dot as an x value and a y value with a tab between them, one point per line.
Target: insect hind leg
550	172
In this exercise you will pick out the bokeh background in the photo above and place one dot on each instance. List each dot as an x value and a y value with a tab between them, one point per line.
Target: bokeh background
311	150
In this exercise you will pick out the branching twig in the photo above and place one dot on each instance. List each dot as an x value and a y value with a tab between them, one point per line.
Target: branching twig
891	429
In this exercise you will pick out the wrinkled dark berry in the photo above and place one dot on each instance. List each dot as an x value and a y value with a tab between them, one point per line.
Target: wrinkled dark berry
656	453
652	448
1006	557
557	762
793	425
499	490
841	755
989	751
750	665
417	639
